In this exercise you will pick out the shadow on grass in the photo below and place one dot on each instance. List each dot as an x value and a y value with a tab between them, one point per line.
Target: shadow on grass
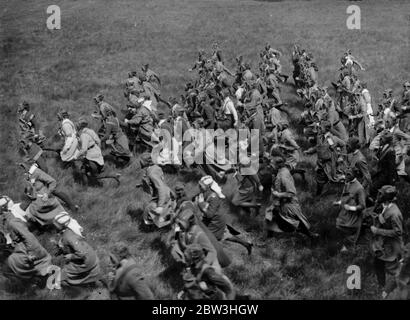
172	272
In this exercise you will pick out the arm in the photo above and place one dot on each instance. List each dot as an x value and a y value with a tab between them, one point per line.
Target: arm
234	113
136	120
49	181
68	133
140	289
364	169
292	145
228	71
401	135
84	138
210	115
207	245
290	190
396	231
109	126
209	208
338	142
75	254
360	196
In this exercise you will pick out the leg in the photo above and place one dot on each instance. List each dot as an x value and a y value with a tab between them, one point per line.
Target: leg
244	243
65	198
405	177
41	162
379	268
93	171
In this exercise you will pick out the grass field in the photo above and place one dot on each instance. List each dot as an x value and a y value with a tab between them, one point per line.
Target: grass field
101	41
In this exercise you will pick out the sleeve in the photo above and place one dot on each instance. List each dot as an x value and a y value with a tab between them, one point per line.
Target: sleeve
84	144
109	126
401	135
288	184
67	130
136	119
338	142
210	117
206	244
364	169
289	139
140	289
233	111
274	118
75	250
68	133
159	185
361	199
97	139
375	144
395	231
49	181
227	71
213	205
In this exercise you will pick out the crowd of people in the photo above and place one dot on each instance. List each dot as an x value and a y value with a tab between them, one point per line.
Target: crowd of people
359	147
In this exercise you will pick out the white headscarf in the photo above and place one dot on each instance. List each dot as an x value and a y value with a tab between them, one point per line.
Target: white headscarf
209	181
66	221
14	208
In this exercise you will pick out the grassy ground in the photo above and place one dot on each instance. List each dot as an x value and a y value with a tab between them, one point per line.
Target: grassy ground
100	41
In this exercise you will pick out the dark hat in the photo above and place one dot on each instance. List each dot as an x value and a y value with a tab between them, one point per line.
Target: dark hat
179	187
142	77
82	122
353	143
279	161
388	192
23	106
63	113
99	97
386	138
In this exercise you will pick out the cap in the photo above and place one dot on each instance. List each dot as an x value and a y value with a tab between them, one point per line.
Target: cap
83	122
